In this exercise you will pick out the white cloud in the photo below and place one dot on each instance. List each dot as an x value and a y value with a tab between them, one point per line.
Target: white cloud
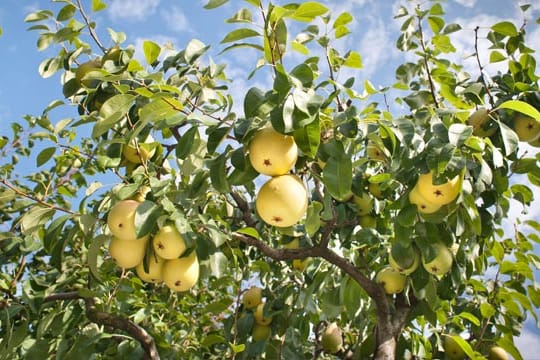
467	3
132	10
176	20
529	344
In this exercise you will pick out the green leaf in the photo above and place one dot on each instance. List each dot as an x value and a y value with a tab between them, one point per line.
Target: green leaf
465	346
111	112
94	251
337	177
522	107
66	13
249	231
343	19
160	109
194	49
146	217
218	173
45	155
313	218
509	137
496	56
239	34
151	51
353	60
98	5
185	144
243	15
309	10
435	23
308	138
212	4
505	28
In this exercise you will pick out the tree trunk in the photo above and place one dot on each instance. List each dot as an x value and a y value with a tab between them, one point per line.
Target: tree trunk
386	349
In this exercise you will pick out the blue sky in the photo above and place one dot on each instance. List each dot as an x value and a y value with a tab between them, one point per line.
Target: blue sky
23	91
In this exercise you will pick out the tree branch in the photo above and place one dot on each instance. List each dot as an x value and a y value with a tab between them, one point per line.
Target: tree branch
481	68
90	28
426	64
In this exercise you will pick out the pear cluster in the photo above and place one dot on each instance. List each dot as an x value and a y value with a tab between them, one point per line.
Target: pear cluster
166	259
253	301
282	201
429	197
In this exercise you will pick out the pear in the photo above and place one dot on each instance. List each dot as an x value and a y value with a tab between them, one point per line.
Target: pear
331	339
121	219
406	268
84	69
364	203
155	269
526	128
168	243
252	297
367	222
181	274
423	206
272	153
497	353
481	123
127	253
259	317
442	263
374	153
440	194
282	201
138	153
452	349
392	280
260	332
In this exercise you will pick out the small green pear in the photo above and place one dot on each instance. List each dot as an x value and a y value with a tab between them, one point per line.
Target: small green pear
331	339
260	332
252	297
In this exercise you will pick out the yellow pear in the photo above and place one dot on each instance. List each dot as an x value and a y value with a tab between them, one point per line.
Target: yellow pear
260	332
121	219
155	269
138	153
526	128
364	203
440	194
282	201
127	253
479	120
375	190
252	297
367	221
452	350
168	243
391	280
259	317
374	153
423	206
413	265
442	263
181	274
272	153
331	339
497	353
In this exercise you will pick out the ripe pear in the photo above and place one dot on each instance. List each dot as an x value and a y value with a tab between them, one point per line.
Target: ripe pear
331	339
181	274
121	219
452	349
258	315
392	280
478	120
127	253
440	194
497	353
364	203
168	243
526	128
155	269
260	332
409	268
138	153
282	201
374	153
367	221
375	190
442	263
272	153
252	297
423	206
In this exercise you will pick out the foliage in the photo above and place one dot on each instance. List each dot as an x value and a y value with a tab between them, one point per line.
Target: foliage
62	294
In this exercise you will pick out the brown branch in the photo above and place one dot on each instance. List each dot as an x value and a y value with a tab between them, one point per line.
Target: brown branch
35	199
490	97
244	208
338	101
90	28
71	295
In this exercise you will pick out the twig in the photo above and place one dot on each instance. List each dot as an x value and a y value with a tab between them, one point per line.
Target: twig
426	63
33	198
90	28
339	104
490	97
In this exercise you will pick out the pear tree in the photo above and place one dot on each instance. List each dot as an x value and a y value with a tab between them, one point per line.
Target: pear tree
168	217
